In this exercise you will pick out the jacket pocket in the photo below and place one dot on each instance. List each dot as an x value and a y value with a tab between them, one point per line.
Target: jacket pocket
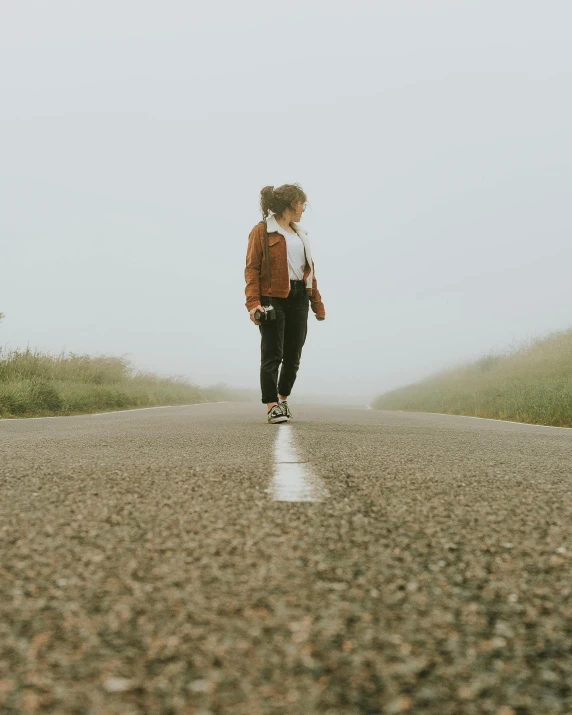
273	239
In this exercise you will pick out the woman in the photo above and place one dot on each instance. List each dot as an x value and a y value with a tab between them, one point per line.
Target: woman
292	289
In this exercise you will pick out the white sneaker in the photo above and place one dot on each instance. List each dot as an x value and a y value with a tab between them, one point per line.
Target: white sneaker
277	415
286	409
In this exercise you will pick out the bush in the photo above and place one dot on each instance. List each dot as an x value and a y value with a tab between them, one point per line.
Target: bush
531	383
33	383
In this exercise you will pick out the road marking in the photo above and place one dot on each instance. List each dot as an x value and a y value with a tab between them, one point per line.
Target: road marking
492	419
293	479
100	414
159	407
472	417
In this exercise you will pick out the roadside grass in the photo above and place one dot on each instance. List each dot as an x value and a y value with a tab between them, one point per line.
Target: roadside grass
38	384
530	383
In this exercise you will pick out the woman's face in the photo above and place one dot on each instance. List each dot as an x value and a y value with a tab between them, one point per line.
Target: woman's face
298	210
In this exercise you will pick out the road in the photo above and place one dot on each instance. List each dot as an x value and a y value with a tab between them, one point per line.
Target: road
157	561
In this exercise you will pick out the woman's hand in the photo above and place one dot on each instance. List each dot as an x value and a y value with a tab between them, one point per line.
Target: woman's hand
253	311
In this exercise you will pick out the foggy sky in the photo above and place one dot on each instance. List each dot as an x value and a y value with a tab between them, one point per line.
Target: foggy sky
431	136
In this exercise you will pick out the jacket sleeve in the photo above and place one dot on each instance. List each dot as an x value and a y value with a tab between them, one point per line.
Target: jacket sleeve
252	270
316	299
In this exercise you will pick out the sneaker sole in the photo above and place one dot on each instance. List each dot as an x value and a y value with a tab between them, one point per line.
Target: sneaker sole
277	420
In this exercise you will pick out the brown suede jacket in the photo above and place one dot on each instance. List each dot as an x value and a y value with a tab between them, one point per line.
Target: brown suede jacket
255	272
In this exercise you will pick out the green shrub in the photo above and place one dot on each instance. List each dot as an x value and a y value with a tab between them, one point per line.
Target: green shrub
33	383
531	383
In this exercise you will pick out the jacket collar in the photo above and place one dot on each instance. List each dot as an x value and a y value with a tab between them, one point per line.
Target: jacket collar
273	225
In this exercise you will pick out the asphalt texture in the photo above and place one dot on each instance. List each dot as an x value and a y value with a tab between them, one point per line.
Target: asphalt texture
146	569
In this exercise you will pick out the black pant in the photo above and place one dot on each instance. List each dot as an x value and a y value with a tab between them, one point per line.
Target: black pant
282	342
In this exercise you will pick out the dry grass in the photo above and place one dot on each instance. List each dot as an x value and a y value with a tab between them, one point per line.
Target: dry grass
36	384
532	383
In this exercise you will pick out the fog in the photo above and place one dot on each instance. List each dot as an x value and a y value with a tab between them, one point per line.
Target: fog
432	138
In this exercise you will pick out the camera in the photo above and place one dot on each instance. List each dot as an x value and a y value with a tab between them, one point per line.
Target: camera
265	315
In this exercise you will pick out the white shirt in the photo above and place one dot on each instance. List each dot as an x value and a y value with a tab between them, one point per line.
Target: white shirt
299	252
296	254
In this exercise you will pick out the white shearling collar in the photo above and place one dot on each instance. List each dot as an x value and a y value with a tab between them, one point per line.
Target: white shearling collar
273	225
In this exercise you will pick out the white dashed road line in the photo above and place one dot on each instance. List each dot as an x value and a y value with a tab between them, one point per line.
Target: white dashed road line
293	479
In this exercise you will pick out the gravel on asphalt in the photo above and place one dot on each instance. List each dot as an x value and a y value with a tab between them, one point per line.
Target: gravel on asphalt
146	569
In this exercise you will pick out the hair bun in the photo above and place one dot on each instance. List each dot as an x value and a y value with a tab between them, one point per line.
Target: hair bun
276	201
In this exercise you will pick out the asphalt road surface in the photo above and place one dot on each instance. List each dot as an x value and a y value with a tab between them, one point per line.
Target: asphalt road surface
197	560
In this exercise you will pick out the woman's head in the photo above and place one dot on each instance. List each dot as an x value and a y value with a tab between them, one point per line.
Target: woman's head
287	201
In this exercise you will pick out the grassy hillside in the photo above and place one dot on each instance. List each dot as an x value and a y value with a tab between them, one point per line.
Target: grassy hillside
36	384
532	383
